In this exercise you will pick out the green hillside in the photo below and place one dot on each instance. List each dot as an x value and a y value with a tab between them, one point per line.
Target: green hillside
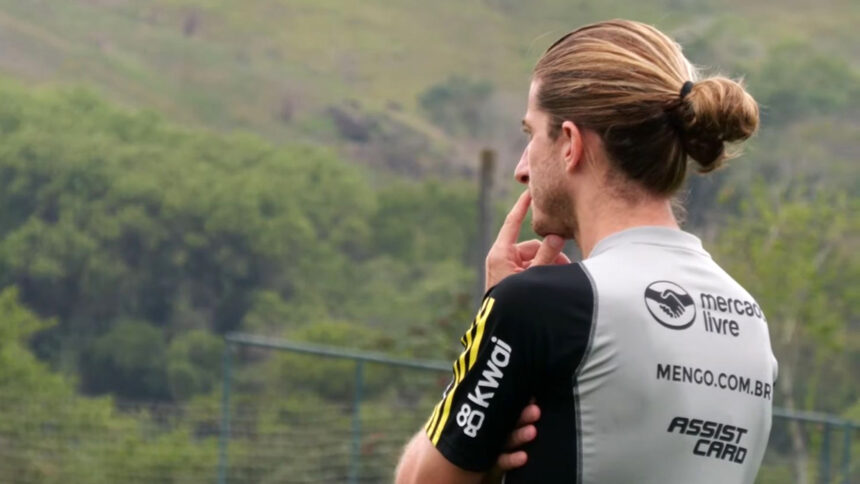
140	221
300	69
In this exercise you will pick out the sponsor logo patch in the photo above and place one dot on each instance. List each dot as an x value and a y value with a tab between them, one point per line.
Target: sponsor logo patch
471	417
715	379
670	304
713	439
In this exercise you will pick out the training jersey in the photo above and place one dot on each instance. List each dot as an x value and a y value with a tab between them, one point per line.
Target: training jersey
649	363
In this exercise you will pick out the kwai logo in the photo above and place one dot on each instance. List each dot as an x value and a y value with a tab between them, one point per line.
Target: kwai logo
471	419
670	304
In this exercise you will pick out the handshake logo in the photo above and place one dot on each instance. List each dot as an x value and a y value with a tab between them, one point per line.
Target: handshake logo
670	304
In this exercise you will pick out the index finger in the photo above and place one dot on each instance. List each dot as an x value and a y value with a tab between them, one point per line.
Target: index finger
510	230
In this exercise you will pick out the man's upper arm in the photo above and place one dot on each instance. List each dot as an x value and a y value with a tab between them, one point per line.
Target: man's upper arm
530	332
493	380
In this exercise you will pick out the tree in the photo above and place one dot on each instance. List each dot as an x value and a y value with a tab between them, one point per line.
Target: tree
796	81
458	105
794	252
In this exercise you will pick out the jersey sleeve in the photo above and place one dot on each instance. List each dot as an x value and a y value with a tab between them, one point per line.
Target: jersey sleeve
509	349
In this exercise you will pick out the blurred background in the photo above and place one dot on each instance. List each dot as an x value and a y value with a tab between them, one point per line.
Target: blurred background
307	172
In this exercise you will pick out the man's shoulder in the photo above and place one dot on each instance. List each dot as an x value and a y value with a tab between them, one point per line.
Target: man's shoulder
543	287
551	306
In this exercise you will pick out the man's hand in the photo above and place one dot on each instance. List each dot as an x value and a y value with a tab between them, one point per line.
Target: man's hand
523	434
508	257
421	458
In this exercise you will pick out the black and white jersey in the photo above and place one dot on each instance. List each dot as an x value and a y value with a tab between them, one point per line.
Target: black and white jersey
650	364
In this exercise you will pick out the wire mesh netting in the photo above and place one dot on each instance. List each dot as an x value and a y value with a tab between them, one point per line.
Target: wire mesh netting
105	442
811	452
290	436
304	418
337	420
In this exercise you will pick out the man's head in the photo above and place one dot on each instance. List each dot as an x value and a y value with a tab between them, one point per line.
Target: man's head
608	121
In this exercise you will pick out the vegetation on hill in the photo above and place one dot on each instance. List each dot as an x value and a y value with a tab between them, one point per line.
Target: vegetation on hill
144	242
130	243
289	70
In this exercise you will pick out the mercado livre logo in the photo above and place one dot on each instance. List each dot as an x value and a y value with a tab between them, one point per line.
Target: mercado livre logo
670	304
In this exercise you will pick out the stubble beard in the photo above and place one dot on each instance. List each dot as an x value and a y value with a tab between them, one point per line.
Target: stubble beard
554	213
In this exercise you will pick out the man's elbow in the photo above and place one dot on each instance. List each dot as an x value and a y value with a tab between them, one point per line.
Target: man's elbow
404	474
404	477
406	468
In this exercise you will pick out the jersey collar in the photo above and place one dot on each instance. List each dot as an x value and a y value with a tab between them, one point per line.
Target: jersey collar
650	235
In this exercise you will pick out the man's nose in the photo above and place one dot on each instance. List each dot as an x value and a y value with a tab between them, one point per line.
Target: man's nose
521	173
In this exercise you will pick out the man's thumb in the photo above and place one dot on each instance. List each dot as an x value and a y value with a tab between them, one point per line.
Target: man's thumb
549	250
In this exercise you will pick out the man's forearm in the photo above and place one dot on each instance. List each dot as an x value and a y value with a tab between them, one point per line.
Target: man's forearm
408	469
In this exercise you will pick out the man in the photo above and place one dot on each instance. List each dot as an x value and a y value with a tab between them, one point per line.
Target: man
648	362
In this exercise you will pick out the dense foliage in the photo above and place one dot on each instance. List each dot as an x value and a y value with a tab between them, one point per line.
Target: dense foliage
130	245
145	242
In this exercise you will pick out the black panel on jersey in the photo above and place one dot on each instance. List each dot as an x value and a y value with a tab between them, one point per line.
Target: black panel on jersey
528	339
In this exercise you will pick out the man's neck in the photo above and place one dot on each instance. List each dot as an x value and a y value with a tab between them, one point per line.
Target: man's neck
611	216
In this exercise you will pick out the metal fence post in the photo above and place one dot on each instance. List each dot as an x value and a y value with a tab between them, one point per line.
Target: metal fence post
846	454
355	456
485	217
224	434
824	466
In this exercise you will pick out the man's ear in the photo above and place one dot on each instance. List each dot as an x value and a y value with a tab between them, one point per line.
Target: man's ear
571	145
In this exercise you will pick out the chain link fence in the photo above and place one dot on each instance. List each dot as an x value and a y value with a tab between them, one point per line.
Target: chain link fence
330	416
349	428
363	446
811	448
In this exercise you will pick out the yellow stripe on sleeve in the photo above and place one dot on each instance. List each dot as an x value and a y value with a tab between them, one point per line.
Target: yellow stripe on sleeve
479	333
434	422
446	410
429	426
438	409
465	362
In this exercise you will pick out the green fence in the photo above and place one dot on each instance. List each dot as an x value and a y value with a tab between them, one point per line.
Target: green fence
373	403
294	413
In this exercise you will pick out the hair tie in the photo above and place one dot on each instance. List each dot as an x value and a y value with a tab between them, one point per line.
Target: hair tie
686	88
